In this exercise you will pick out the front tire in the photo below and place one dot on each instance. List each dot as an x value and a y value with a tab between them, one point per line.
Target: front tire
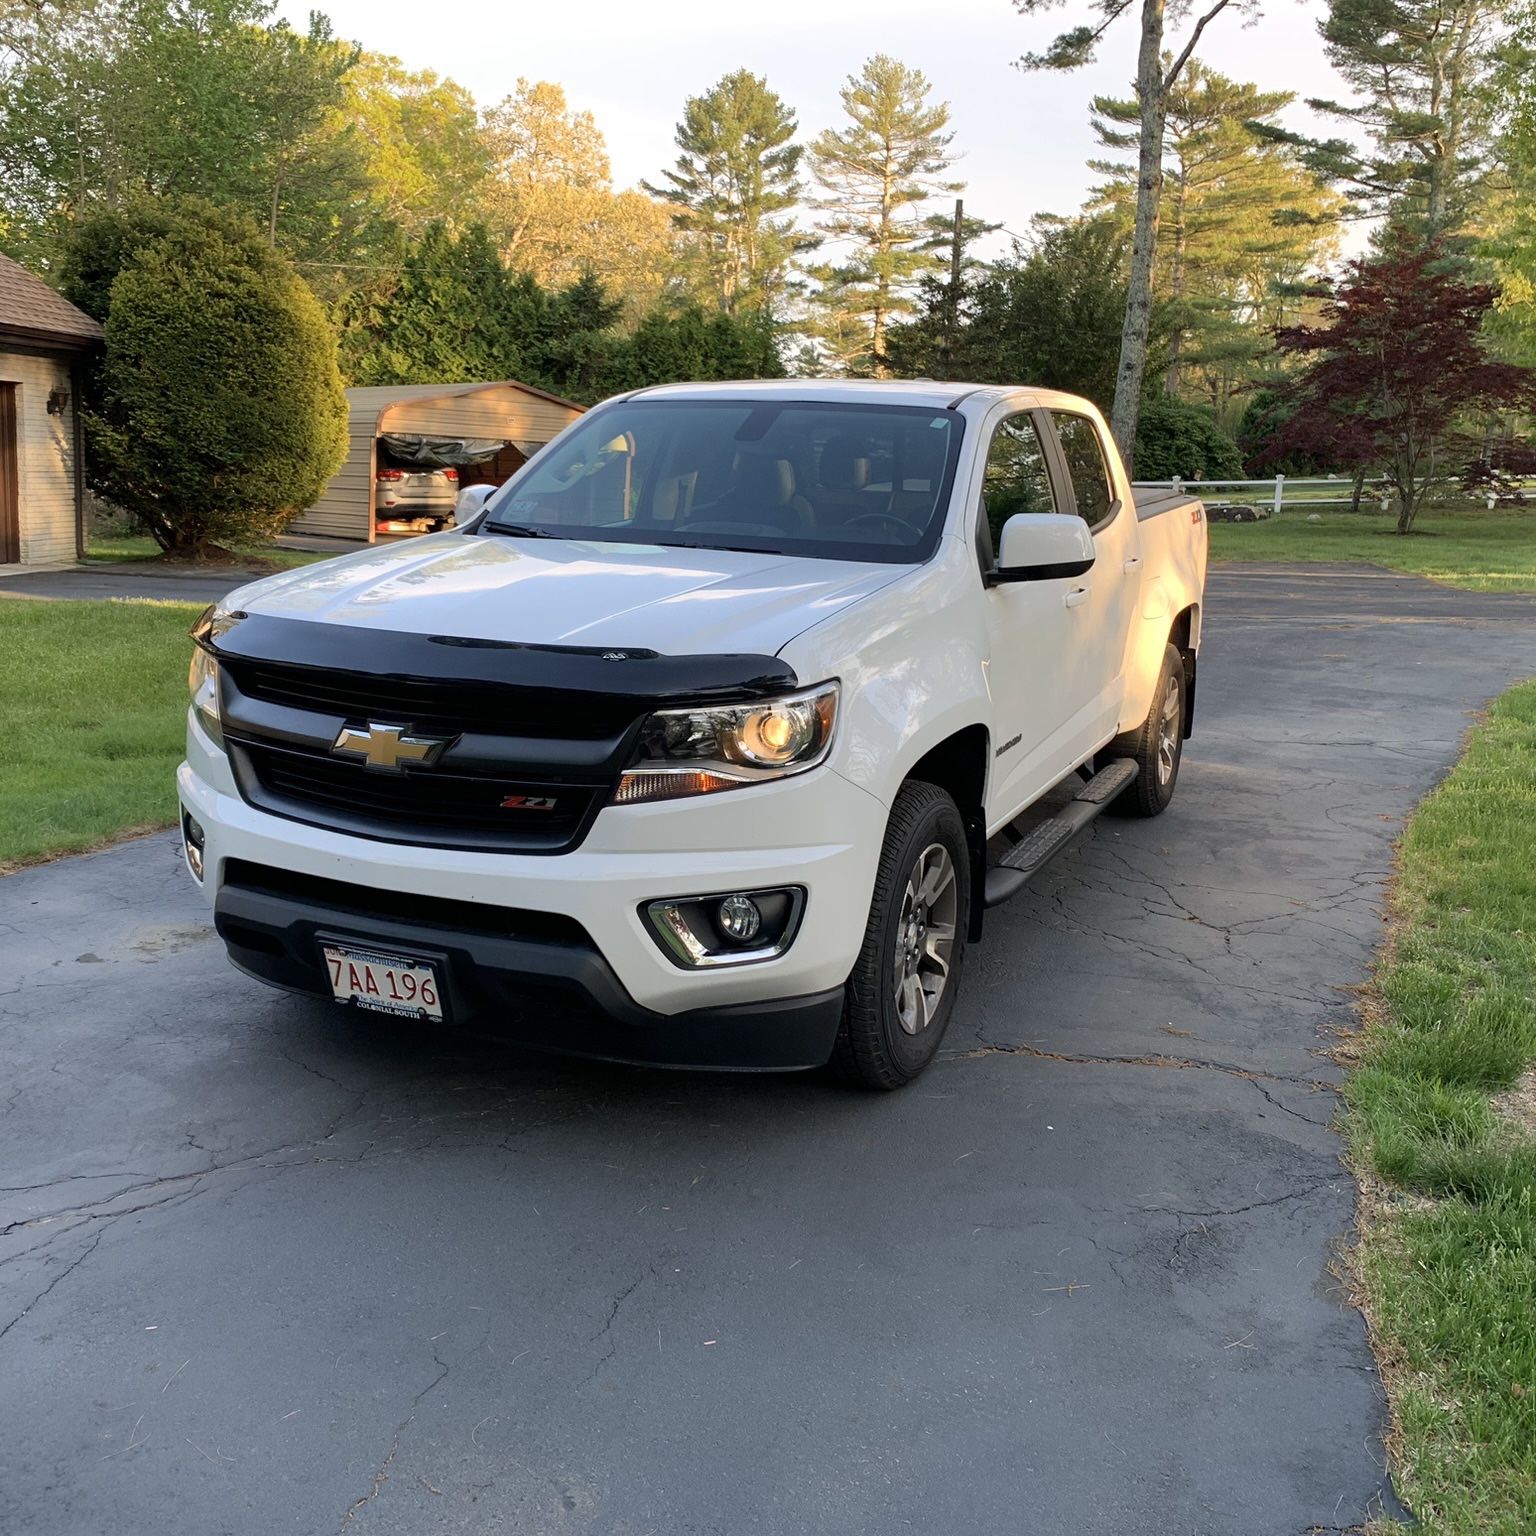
902	990
1157	745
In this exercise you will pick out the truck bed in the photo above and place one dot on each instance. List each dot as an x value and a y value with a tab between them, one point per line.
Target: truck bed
1155	500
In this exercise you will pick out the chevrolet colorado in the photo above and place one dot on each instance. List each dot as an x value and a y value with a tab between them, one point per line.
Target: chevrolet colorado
709	740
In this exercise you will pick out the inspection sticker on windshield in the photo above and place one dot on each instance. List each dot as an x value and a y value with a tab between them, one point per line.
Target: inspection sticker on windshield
385	983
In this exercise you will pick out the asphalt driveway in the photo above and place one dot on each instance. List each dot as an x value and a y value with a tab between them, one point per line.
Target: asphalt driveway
267	1267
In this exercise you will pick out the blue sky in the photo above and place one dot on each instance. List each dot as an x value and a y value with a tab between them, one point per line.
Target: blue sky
1024	138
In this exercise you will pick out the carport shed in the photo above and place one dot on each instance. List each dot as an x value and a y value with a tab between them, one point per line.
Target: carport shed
523	417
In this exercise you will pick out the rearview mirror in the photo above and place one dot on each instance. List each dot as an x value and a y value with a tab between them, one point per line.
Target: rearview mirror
1042	546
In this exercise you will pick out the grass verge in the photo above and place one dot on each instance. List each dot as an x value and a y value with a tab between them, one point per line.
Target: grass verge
117	548
1482	551
94	697
1447	1259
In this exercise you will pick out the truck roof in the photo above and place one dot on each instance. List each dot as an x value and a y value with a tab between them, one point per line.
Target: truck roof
936	393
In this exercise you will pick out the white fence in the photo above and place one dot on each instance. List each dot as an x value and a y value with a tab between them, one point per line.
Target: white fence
1301	493
1323	491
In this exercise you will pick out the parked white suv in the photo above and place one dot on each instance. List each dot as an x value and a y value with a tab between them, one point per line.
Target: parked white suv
696	747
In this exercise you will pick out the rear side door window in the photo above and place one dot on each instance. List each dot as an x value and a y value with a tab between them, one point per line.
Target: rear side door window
1016	478
1084	456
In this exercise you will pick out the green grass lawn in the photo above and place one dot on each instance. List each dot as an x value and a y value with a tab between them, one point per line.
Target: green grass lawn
94	698
114	548
1448	1256
1484	551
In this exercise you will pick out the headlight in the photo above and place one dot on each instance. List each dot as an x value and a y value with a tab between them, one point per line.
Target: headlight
203	684
699	751
203	675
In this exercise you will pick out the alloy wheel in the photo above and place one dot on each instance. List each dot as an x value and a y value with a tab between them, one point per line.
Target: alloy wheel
925	937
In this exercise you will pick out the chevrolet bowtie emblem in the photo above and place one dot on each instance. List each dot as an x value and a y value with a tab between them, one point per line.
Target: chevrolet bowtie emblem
387	748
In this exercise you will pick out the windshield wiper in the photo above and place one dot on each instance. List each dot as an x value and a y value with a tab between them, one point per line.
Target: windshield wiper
519	531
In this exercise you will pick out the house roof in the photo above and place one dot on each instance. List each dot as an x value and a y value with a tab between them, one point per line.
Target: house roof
31	312
381	396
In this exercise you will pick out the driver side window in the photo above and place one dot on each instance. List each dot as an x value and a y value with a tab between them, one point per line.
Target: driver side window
1016	479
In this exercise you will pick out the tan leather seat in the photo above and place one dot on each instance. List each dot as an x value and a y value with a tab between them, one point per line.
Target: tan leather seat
764	492
841	477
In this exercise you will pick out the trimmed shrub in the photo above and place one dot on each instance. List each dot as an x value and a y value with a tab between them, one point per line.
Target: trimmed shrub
1175	438
218	412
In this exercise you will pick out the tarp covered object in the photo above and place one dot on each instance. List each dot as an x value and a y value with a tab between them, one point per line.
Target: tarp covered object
412	448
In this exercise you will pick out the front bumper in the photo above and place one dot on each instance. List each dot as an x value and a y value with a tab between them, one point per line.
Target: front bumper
816	830
549	993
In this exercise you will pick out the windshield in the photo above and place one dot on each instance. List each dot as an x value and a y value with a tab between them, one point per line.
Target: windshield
842	482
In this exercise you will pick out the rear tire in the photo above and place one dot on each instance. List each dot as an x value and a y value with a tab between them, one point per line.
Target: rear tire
902	990
1156	746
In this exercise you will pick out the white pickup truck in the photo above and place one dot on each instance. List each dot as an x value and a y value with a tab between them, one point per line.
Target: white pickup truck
709	740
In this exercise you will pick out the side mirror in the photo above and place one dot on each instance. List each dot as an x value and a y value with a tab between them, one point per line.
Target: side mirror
471	499
1042	546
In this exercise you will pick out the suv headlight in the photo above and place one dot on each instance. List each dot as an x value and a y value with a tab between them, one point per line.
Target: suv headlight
727	746
203	674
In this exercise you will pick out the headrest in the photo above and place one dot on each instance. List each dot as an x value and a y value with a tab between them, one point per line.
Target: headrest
924	455
764	480
843	465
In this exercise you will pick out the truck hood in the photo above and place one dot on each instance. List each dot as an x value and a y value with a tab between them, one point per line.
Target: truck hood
568	592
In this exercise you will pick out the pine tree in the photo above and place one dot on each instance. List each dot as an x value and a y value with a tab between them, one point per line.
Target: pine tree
1155	78
876	173
1419	71
454	316
1241	221
730	187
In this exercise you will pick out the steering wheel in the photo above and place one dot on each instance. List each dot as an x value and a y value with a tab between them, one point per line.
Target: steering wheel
902	525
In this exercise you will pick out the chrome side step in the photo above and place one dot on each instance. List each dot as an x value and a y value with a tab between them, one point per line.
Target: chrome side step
1041	844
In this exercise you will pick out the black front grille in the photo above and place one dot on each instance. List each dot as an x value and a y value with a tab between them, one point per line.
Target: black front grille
442	707
430	806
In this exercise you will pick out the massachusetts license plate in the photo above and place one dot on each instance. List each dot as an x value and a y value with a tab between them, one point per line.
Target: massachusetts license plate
386	983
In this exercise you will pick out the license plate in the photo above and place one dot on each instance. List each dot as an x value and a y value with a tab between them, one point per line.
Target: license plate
390	984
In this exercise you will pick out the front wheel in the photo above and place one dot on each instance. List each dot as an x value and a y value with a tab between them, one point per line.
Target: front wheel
1157	746
902	989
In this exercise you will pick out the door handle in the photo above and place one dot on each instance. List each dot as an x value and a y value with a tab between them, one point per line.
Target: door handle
1076	597
1133	564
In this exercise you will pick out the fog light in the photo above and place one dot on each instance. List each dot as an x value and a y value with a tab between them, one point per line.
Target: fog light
739	918
192	839
735	929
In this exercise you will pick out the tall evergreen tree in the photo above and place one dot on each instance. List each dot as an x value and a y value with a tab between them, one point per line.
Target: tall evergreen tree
1241	220
931	344
455	315
1510	214
1419	72
732	186
1049	313
1155	78
876	173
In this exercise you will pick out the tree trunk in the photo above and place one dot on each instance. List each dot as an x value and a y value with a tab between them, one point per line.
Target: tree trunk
1149	186
1357	490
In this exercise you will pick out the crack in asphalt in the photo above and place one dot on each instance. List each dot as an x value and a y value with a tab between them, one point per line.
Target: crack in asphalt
613	1312
1159	1059
1253	1205
64	1273
381	1475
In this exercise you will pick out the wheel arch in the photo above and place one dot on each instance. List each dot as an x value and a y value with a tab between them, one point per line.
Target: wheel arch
1183	633
958	765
